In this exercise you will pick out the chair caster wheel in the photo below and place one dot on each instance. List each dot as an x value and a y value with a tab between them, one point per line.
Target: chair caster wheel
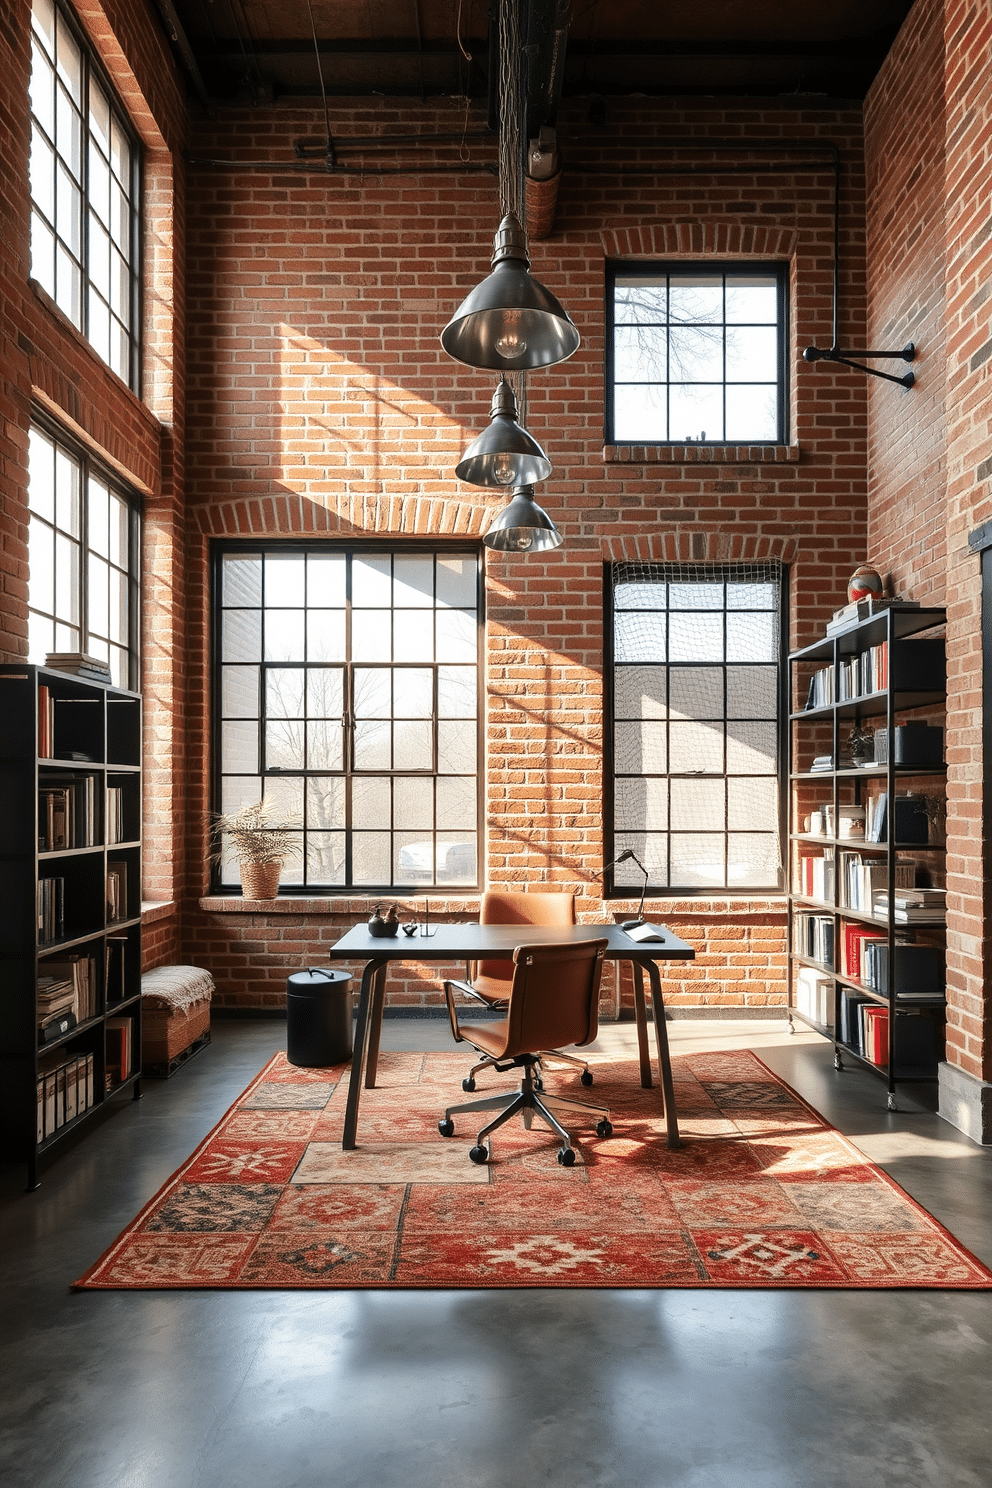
566	1157
479	1154
468	1084
604	1128
586	1077
446	1127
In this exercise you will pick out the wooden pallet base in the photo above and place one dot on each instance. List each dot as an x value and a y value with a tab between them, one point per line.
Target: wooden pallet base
166	1071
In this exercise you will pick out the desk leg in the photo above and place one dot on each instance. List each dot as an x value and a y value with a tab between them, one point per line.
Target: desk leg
641	1017
375	1026
358	1057
664	1055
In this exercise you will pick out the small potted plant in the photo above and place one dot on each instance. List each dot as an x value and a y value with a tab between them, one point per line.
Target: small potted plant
262	843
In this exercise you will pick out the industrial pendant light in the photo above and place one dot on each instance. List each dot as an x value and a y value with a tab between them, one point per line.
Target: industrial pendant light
510	322
522	526
504	454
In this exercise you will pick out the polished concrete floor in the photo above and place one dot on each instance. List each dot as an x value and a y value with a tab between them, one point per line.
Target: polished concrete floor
589	1389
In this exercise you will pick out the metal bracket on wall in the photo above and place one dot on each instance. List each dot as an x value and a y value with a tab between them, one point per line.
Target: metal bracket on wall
814	354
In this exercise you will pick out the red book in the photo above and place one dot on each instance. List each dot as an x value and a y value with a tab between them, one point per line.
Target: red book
853	939
876	1034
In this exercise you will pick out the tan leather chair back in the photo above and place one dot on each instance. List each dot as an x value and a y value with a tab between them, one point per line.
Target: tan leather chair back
554	996
526	907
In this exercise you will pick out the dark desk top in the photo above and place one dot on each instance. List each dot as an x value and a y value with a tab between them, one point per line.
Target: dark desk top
478	942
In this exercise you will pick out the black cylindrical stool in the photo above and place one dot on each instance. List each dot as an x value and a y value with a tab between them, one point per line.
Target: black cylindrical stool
318	1017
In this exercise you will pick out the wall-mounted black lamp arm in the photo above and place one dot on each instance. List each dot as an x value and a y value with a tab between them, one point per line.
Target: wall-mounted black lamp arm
814	354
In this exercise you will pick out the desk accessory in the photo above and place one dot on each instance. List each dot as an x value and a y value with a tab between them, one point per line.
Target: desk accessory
641	930
425	929
381	925
629	853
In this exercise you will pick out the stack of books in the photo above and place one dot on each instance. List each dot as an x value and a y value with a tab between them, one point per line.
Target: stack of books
78	664
863	609
910	905
56	1008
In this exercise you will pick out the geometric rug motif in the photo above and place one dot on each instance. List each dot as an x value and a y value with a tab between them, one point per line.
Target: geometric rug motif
762	1192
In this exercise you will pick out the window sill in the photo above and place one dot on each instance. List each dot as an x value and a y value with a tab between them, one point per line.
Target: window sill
329	904
157	909
701	454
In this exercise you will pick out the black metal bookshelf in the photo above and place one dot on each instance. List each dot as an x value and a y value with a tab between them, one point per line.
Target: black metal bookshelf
70	905
884	672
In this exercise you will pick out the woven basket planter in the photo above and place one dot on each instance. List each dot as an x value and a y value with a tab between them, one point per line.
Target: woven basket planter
260	880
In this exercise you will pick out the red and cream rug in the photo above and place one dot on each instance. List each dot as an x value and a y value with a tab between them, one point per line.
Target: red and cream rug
762	1193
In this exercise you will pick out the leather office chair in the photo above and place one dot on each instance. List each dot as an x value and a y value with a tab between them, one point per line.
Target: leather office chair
554	1000
489	982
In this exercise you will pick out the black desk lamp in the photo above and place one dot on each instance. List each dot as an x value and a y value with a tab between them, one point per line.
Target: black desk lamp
623	858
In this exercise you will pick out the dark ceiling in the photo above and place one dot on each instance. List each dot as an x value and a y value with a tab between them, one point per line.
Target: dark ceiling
265	49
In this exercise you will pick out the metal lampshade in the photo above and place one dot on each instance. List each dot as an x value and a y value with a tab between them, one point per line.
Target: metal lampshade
522	526
510	322
504	454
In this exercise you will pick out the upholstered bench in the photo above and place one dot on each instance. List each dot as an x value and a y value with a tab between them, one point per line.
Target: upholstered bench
175	1017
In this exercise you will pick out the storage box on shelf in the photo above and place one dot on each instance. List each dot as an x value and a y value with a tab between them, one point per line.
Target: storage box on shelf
70	879
866	903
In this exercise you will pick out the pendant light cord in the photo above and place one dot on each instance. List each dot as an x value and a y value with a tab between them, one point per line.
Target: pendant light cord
512	196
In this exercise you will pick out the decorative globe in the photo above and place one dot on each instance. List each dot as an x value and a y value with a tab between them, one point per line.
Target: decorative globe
864	583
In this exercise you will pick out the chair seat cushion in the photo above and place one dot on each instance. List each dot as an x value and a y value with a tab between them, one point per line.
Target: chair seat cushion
489	1037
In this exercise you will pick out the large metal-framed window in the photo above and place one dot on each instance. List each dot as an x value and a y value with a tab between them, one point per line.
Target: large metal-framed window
83	556
347	687
85	191
696	353
695	701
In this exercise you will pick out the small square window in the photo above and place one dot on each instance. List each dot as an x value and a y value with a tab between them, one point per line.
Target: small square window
696	356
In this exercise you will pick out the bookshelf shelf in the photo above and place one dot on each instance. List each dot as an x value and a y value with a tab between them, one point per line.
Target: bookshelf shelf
70	883
864	842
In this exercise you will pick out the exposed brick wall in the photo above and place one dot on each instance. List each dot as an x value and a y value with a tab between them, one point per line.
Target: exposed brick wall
929	262
44	361
321	402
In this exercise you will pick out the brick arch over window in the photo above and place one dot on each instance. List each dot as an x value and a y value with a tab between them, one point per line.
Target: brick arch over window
292	514
689	545
694	239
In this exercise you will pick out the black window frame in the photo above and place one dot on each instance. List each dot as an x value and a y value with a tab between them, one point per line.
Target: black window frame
611	847
222	547
90	465
92	68
647	269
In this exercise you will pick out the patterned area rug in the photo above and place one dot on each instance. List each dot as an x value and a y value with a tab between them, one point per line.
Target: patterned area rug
763	1193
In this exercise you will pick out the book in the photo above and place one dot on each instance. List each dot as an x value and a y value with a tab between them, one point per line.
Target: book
918	970
814	995
46	722
853	939
875	1033
116	891
863	609
77	663
118	1045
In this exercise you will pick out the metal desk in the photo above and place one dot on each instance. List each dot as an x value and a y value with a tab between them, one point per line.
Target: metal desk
488	942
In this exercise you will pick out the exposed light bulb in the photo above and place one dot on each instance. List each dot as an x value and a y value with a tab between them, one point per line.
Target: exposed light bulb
504	470
523	542
510	344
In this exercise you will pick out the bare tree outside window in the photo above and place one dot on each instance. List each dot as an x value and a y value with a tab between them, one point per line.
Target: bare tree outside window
695	356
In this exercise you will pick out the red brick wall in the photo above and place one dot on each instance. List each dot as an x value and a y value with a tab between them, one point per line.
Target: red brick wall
321	402
927	125
968	267
45	361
